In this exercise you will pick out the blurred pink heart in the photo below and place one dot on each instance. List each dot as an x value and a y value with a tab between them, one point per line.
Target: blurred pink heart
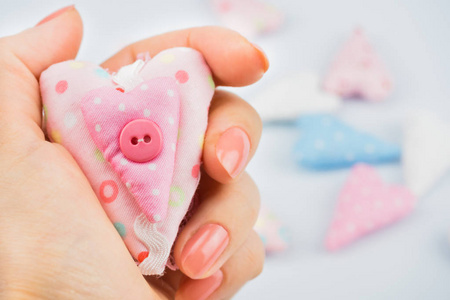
358	72
365	205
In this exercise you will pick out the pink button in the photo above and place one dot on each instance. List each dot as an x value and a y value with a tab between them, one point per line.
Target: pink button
141	140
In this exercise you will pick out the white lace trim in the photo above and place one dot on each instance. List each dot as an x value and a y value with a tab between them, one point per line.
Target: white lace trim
155	242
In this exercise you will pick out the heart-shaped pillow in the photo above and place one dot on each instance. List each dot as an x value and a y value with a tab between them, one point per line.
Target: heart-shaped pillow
367	204
138	137
358	71
293	96
328	143
426	154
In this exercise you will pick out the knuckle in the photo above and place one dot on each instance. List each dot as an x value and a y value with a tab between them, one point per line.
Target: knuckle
130	49
251	119
257	121
6	51
4	46
255	255
252	196
10	62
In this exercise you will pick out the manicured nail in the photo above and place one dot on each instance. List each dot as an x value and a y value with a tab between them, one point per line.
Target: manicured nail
55	14
232	150
263	56
203	249
201	289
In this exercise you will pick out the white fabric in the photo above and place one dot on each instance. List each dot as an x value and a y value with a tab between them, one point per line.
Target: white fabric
128	77
156	243
426	151
292	96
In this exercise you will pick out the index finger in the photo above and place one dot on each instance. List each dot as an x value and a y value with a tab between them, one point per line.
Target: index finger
234	60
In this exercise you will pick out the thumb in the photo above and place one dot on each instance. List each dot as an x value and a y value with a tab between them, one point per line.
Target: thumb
24	56
56	38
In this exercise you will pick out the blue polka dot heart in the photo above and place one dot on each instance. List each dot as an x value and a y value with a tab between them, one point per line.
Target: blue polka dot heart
328	143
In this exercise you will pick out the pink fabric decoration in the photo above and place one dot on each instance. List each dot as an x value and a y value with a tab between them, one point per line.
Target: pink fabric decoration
357	71
248	17
365	205
86	109
272	231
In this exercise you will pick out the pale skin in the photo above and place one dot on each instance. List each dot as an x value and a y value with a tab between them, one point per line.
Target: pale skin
56	242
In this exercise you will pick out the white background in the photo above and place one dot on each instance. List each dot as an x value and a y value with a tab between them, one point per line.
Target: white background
410	260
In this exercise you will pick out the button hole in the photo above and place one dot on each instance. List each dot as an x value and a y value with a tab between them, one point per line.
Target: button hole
134	141
147	139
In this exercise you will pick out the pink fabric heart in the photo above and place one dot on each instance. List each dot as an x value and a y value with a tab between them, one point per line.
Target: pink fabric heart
365	205
357	71
152	90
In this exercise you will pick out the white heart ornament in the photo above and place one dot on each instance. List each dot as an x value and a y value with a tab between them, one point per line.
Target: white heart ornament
426	151
292	96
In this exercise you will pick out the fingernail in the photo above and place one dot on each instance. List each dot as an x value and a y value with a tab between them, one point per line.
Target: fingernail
55	14
203	249
201	289
232	150
263	56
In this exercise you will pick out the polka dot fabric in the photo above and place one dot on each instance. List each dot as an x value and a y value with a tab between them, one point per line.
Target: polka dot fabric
358	72
365	205
327	143
178	73
107	111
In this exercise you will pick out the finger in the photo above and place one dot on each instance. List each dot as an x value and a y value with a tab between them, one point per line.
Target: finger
233	60
22	59
246	264
232	136
220	226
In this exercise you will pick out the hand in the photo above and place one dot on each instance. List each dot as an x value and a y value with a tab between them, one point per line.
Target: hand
56	242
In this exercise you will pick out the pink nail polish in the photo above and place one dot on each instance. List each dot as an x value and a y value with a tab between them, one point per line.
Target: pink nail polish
232	150
201	289
263	56
203	249
55	14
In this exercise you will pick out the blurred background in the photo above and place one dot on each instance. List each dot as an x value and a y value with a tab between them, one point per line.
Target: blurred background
410	260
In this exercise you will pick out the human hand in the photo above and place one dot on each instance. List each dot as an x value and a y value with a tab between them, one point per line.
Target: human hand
57	242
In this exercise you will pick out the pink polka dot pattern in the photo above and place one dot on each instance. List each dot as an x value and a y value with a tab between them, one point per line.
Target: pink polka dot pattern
143	255
108	191
106	127
357	71
182	76
61	86
365	205
195	171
